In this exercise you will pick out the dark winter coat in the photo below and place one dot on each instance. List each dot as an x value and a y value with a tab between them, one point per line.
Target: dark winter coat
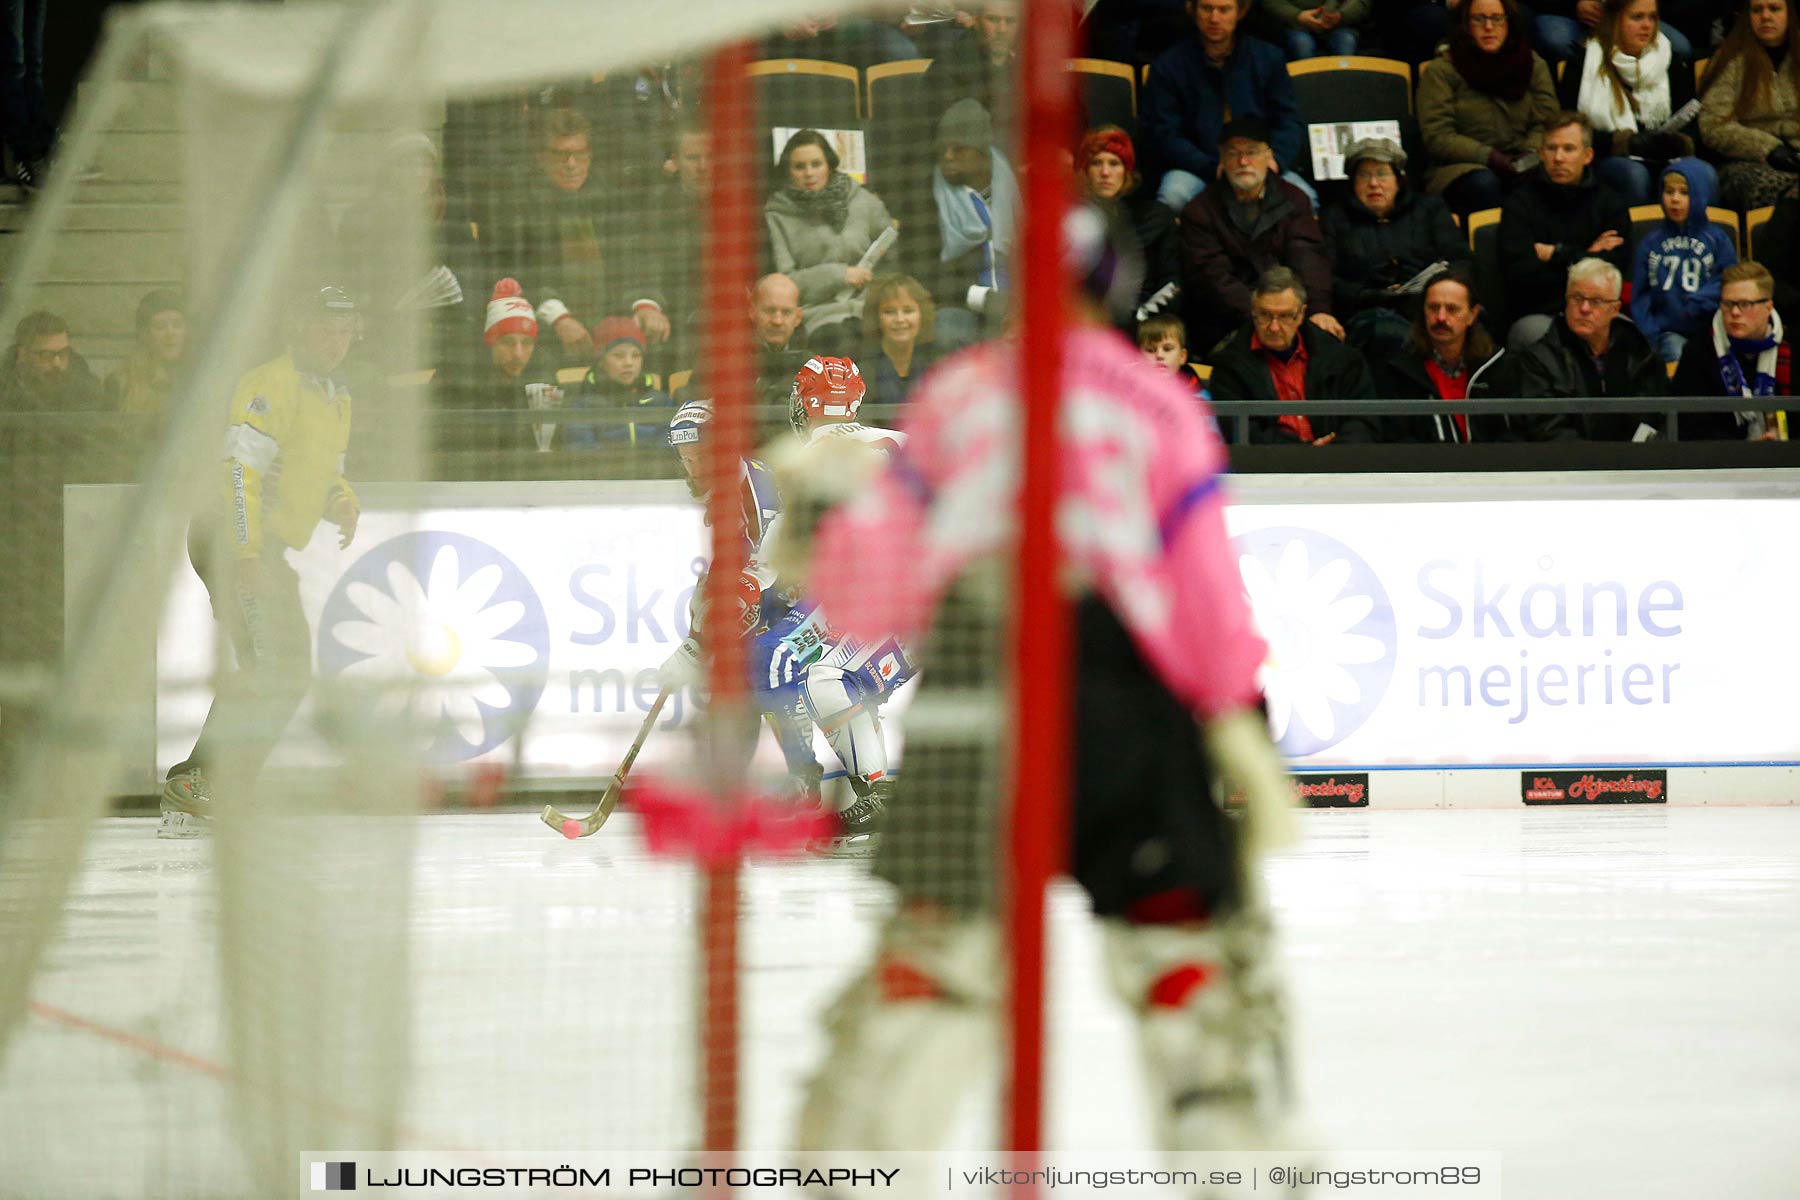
1187	100
483	388
1221	259
1370	254
1334	371
1568	216
1403	377
1154	224
1560	367
601	393
1698	375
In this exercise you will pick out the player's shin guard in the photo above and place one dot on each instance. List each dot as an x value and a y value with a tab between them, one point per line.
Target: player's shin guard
1211	1028
906	1039
848	721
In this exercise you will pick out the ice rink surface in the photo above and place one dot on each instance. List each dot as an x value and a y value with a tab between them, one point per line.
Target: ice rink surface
1605	996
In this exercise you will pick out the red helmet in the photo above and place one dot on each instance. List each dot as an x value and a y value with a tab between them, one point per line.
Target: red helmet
826	389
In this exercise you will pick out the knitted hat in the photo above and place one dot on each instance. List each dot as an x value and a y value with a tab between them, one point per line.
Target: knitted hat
613	330
965	123
1106	141
158	301
509	312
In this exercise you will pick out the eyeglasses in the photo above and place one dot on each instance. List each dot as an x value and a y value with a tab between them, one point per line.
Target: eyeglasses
1262	317
1592	301
1741	306
1490	21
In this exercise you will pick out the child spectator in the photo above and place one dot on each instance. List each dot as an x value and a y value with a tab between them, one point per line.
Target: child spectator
1743	352
897	323
616	382
1675	278
1163	339
143	381
1307	30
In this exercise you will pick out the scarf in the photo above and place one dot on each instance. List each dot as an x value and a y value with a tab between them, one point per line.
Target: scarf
829	206
1646	104
967	220
1506	73
1731	371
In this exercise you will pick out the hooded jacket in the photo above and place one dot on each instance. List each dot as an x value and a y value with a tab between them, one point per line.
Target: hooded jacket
1568	216
1675	275
1370	253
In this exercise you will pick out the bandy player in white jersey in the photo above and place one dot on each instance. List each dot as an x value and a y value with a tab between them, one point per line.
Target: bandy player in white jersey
843	680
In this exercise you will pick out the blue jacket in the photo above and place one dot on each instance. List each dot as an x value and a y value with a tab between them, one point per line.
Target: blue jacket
1675	277
1186	100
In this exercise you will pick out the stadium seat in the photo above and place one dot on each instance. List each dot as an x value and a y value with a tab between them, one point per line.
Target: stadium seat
1484	240
1699	73
1108	93
571	374
810	92
900	147
679	380
1335	91
1755	219
1203	370
1645	216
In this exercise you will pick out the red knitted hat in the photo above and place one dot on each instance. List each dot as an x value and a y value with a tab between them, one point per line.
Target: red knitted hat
613	330
1106	141
509	312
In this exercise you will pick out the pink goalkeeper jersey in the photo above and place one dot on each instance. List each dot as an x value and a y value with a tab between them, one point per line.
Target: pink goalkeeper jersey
1141	517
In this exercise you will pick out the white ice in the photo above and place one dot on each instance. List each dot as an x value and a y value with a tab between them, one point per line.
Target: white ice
1605	996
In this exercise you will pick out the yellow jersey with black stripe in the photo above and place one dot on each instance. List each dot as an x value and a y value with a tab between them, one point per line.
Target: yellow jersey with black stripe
284	455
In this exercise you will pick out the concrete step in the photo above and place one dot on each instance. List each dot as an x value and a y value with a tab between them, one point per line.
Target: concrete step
102	215
107	256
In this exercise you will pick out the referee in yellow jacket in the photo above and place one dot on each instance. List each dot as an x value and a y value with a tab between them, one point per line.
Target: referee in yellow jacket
282	473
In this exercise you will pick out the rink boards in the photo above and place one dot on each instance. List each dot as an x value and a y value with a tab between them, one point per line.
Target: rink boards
1433	639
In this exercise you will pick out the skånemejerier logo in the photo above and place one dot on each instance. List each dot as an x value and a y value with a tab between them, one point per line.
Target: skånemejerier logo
334	1177
448	622
1330	629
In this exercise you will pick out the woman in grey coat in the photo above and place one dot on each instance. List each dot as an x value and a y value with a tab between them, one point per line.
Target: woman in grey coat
822	224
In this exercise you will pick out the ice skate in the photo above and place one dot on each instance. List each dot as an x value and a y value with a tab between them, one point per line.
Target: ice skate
859	826
187	806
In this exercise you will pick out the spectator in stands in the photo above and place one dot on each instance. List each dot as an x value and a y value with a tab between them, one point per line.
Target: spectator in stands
960	224
1201	83
1675	274
1230	235
572	245
1380	239
1163	339
375	261
1628	84
979	64
673	215
1107	167
1560	27
898	323
860	41
1558	215
1288	359
1778	249
616	383
25	123
822	224
142	383
1750	105
1483	105
635	115
1447	356
1590	351
1744	352
44	373
781	350
511	377
1307	30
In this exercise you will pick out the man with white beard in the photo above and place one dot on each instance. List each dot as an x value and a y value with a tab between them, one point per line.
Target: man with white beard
1231	235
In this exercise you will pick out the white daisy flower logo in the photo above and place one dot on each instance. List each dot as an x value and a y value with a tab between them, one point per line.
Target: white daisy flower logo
1330	631
446	624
